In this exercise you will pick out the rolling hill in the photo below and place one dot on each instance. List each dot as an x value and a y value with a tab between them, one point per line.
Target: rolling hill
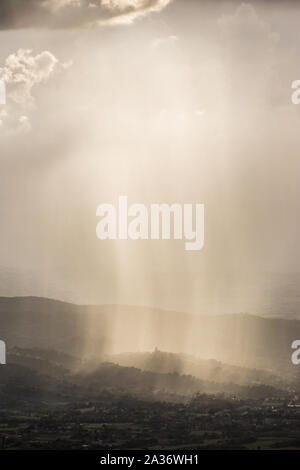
93	331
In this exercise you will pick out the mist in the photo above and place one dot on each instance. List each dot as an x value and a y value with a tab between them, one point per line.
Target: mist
174	107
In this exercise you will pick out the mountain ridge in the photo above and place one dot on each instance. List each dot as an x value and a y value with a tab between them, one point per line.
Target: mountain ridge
93	330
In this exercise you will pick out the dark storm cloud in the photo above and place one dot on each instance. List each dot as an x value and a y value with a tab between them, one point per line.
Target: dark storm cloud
72	13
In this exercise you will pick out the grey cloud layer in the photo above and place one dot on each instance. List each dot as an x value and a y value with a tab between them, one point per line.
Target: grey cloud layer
73	13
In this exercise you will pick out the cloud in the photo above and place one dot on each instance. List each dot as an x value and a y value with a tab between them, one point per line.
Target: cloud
73	13
246	36
249	55
21	73
158	42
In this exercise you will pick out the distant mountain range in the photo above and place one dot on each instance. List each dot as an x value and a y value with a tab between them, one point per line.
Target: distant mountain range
263	294
94	331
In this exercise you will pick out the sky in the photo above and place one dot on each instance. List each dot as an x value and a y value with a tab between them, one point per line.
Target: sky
163	101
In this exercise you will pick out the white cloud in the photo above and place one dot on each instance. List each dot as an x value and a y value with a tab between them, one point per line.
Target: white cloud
21	73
